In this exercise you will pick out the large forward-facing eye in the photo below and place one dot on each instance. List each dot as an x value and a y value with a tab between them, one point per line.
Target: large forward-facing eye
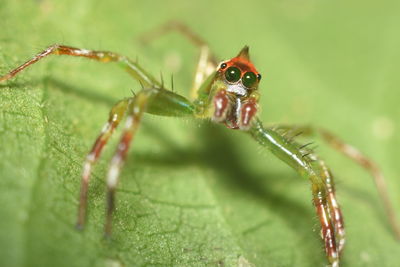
232	74
249	79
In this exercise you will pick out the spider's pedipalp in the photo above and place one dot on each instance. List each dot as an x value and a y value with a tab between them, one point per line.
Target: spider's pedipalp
221	105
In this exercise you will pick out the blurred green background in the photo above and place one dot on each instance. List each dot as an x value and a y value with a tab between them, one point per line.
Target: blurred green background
195	194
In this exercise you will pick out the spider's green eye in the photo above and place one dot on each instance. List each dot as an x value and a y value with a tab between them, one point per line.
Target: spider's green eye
249	79
232	74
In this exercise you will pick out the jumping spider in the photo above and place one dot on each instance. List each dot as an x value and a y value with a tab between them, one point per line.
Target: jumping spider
228	93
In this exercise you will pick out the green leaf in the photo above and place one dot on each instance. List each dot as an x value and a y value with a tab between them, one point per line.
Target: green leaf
192	193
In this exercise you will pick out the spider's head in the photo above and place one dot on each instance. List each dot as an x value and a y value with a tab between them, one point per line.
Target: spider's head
239	74
235	101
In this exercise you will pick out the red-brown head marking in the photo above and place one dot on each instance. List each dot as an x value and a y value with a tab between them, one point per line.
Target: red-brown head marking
241	69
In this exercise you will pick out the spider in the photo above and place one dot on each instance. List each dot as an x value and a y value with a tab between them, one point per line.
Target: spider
228	94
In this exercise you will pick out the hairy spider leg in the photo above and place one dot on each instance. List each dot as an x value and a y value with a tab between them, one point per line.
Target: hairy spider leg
103	56
308	166
361	159
372	168
117	111
207	62
334	209
115	117
156	101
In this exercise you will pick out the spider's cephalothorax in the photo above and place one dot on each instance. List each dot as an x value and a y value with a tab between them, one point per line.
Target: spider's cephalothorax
236	96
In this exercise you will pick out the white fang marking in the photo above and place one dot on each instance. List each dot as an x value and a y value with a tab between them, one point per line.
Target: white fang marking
237	89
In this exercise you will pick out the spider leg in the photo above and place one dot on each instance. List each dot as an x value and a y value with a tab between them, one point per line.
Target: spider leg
372	168
103	56
116	114
159	102
154	101
205	67
311	167
333	207
207	62
361	159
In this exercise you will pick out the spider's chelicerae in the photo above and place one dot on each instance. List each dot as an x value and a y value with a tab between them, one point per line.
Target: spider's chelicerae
226	93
